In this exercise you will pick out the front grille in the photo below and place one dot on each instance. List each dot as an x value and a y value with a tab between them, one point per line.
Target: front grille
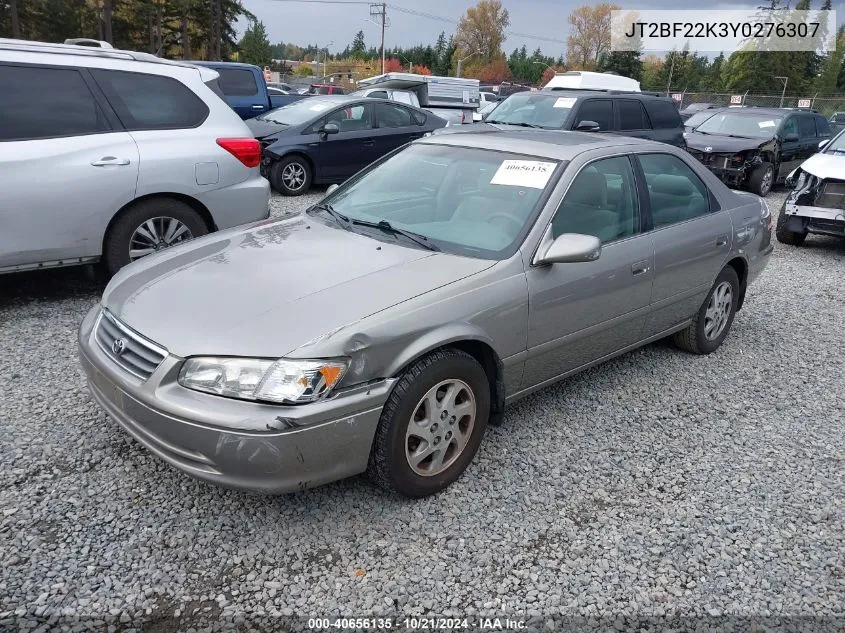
127	348
720	161
832	195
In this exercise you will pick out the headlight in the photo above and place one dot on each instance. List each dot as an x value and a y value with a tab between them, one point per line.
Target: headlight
285	381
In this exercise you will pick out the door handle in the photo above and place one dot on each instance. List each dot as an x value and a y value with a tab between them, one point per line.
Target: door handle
721	240
106	161
640	268
257	106
369	143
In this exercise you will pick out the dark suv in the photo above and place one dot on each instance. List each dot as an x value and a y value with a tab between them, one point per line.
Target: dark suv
757	148
626	113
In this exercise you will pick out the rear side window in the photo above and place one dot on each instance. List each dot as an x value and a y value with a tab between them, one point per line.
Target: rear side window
598	110
806	126
676	193
151	102
237	82
632	115
419	117
663	114
391	115
46	103
822	126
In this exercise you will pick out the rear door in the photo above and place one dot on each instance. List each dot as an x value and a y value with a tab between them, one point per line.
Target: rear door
809	135
692	238
346	153
395	127
632	119
665	121
243	91
66	165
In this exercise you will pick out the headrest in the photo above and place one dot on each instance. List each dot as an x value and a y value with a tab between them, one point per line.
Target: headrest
672	185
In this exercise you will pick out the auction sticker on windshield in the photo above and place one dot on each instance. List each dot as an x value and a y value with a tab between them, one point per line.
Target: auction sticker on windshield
318	107
565	102
766	124
523	173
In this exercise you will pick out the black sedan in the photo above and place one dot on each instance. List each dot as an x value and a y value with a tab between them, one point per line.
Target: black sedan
327	139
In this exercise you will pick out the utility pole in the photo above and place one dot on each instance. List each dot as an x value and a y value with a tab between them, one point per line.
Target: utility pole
785	81
380	10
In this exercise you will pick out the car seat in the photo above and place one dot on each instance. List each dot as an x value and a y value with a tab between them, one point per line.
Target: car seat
674	199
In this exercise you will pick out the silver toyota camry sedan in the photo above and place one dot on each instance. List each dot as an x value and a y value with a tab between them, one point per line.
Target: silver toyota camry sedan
381	330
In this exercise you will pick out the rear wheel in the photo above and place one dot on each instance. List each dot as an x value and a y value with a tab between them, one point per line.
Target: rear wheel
786	236
147	227
291	176
431	425
713	321
762	179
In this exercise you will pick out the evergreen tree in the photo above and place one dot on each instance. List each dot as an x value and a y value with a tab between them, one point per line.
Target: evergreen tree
255	45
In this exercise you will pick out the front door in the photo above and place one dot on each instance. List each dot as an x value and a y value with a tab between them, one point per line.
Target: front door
353	148
582	312
790	150
692	239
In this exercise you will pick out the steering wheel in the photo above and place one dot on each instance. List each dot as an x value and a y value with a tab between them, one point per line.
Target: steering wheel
511	218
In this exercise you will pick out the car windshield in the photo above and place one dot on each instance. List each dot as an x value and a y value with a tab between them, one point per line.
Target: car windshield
836	146
473	202
299	111
698	118
747	125
535	109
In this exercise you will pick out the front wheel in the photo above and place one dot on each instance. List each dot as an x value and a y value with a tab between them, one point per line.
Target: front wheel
762	179
291	176
431	425
713	321
786	236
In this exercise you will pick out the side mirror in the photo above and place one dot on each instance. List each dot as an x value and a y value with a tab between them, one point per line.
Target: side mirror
331	188
570	248
823	144
588	126
789	138
330	128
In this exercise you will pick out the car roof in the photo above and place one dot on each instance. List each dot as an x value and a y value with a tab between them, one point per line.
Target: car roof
225	64
555	144
28	46
574	92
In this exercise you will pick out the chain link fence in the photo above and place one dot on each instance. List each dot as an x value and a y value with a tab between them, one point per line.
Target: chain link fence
826	105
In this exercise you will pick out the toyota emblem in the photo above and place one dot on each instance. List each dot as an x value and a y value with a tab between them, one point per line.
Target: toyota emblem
708	149
118	346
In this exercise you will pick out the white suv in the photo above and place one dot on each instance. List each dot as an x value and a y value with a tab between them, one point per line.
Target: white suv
112	155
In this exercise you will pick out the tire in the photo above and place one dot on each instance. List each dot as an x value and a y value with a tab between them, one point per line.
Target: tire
695	337
160	212
291	176
396	440
785	236
758	182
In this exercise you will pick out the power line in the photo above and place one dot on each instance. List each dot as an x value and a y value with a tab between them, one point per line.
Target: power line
429	16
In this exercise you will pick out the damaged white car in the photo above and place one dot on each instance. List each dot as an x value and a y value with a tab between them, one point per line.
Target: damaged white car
817	201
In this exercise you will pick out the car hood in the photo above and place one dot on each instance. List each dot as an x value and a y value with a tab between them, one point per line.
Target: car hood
263	128
825	166
723	144
270	288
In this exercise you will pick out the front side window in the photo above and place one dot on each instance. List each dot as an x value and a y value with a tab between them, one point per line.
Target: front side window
676	193
598	110
352	118
26	112
236	82
151	102
390	115
474	202
601	201
790	127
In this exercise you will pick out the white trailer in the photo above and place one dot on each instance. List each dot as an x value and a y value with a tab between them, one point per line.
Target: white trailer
453	98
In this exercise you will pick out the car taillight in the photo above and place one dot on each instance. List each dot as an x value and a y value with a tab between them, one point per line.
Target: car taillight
246	150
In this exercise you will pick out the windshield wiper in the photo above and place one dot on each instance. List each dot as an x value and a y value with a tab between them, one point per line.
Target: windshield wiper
521	124
386	226
341	219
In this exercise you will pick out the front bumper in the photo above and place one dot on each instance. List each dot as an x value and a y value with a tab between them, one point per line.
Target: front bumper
821	220
259	447
722	166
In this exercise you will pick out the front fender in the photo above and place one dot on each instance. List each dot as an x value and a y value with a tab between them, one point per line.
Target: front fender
434	338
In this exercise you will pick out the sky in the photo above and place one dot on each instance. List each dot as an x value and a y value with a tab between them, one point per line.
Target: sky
318	23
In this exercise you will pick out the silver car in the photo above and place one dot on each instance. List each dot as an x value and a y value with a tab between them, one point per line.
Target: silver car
112	155
382	329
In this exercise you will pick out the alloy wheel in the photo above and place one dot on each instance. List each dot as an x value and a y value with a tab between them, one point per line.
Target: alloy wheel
440	427
156	234
293	176
766	185
718	311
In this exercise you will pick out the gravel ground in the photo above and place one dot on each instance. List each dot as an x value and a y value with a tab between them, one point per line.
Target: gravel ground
658	483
